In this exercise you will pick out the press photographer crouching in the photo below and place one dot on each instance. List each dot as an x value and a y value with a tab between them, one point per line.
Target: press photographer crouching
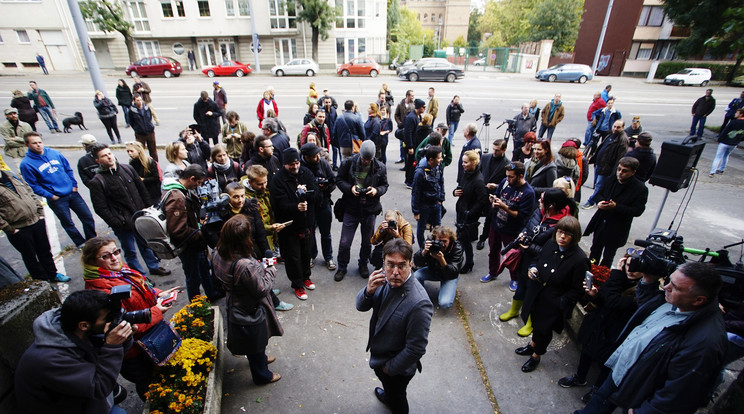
74	362
440	260
393	227
103	270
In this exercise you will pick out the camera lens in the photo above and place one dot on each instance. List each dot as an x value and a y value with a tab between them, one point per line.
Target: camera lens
139	316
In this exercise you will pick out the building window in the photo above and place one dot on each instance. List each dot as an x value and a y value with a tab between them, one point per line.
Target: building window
282	14
23	36
147	48
139	16
167	8
651	16
203	8
230	8
179	8
244	9
351	14
284	50
91	27
665	50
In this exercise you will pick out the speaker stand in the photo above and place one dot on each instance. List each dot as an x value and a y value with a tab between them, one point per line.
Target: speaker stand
661	208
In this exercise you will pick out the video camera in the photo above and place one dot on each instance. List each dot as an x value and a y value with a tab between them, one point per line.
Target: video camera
214	207
118	314
485	117
302	194
662	254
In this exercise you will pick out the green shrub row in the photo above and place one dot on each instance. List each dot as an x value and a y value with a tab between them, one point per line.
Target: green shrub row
719	71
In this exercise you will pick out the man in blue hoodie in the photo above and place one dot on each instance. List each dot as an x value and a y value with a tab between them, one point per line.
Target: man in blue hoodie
49	174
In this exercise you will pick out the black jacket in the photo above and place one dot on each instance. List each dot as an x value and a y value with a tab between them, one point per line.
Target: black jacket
377	177
152	180
410	124
493	169
615	224
209	125
542	177
224	177
676	371
118	193
647	162
322	170
703	106
141	122
453	256
124	95
87	167
612	148
199	152
454	112
474	199
272	164
284	199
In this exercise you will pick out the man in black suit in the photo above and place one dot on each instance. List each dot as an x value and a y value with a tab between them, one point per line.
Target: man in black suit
623	197
396	344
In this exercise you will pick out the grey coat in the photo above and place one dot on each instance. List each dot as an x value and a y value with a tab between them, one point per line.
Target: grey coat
398	333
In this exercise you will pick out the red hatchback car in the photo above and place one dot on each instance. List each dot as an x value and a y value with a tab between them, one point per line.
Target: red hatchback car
360	66
155	65
228	68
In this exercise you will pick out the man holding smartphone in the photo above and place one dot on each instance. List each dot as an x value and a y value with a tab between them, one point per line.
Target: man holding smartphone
396	344
622	198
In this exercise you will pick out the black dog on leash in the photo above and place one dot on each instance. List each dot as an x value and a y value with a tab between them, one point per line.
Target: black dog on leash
74	120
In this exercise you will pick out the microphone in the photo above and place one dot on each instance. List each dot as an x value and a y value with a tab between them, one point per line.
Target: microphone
642	243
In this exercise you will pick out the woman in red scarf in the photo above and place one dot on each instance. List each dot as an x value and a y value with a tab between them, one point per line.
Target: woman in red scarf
104	269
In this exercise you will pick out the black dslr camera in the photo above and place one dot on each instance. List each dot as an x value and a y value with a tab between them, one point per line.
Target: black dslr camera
118	314
303	195
435	247
392	224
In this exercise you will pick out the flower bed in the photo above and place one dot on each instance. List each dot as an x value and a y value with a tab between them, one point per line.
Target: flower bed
191	381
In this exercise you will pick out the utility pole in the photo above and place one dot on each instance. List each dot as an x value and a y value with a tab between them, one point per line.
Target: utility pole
90	57
601	37
257	63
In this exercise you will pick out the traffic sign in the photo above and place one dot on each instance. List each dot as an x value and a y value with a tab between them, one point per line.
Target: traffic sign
259	47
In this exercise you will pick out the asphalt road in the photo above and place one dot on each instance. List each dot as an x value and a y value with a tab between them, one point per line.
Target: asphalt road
321	356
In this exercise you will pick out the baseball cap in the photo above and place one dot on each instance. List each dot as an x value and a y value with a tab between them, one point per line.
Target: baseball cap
309	149
442	126
11	111
87	139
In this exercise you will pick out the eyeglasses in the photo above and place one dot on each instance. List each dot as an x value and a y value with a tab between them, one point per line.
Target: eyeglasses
267	146
400	266
107	256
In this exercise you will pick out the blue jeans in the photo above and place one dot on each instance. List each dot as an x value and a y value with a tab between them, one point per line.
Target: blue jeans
348	228
447	290
721	159
196	269
599	404
48	117
336	155
61	208
599	180
125	110
550	130
588	134
323	220
431	214
129	242
452	129
700	122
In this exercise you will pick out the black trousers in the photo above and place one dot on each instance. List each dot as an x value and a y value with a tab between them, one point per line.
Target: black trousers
296	254
395	387
33	244
110	124
410	168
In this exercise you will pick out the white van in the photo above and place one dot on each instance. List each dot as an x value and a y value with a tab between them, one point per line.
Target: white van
689	76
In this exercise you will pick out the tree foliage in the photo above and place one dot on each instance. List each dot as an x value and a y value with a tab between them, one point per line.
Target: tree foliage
393	18
716	28
474	32
460	42
108	15
558	20
409	32
320	16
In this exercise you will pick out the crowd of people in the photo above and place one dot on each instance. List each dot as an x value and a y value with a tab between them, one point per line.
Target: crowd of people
281	197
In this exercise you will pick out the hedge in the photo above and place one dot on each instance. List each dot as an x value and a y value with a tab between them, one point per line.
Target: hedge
719	71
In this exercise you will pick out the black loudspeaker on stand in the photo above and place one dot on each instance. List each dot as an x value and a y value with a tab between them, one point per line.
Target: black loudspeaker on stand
677	161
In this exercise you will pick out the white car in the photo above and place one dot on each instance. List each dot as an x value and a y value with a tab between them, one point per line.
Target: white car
689	76
480	62
296	67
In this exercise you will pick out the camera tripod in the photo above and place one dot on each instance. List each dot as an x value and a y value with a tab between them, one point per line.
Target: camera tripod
484	129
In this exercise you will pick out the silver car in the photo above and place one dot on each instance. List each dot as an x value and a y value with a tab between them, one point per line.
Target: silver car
300	66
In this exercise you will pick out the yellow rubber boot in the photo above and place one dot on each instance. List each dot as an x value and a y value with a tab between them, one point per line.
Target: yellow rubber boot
526	329
513	312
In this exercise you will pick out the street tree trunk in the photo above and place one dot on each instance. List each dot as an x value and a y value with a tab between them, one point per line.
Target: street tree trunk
732	74
315	36
129	41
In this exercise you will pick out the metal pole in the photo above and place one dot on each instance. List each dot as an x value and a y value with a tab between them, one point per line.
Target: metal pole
602	36
90	57
661	207
257	63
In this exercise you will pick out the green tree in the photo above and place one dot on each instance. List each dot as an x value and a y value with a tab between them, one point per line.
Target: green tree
460	42
408	32
558	20
716	27
320	16
507	21
474	33
109	17
393	18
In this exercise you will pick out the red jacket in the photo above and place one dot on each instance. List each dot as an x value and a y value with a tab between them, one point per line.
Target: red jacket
260	111
313	127
597	104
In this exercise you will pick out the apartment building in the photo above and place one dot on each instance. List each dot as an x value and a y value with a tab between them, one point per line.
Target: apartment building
447	18
218	30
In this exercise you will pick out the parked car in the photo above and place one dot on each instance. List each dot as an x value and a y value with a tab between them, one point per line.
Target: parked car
155	65
227	68
296	67
437	69
571	72
480	62
408	64
360	66
689	76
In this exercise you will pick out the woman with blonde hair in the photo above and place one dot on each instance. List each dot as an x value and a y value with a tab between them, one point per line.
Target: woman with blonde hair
147	168
472	199
393	227
423	130
312	96
177	155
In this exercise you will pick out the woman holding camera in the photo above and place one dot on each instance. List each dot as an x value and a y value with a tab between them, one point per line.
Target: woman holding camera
555	285
553	206
393	227
472	200
250	314
104	269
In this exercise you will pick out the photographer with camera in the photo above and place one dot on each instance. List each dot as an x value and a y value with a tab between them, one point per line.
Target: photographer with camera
103	270
326	181
524	122
197	148
427	194
73	364
670	353
440	260
622	198
393	227
363	180
294	196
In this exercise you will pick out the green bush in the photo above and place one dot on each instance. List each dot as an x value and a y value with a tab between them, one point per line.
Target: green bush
718	71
